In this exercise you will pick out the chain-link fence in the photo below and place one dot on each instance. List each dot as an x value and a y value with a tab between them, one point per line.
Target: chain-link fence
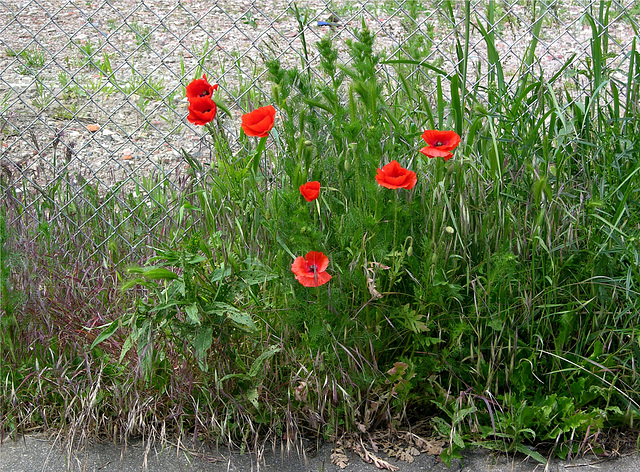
92	92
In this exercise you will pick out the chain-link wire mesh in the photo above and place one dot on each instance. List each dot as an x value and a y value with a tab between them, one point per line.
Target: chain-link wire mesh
93	114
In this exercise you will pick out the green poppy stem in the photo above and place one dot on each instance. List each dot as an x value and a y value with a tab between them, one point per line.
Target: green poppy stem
255	161
395	238
395	220
440	165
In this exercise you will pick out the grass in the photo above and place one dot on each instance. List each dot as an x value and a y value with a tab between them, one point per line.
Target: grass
31	60
142	34
498	298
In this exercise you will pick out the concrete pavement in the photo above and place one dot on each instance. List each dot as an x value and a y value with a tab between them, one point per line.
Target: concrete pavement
34	453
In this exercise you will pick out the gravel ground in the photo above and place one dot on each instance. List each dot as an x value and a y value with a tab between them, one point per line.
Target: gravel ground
62	117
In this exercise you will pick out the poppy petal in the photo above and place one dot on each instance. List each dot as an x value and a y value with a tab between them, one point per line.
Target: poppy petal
317	259
444	140
310	270
310	191
200	88
300	267
259	122
393	176
313	280
202	110
435	152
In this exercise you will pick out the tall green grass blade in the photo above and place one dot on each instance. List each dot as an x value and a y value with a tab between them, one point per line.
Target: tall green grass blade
530	54
633	81
440	102
496	74
457	105
597	52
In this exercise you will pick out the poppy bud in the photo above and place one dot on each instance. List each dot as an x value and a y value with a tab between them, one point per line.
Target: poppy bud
410	251
308	143
449	229
346	165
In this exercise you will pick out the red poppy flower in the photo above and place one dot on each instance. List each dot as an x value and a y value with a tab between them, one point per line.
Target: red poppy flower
200	88
395	176
310	191
259	122
201	110
310	269
439	143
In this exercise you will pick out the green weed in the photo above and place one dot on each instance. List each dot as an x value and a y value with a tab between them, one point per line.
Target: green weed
142	34
31	60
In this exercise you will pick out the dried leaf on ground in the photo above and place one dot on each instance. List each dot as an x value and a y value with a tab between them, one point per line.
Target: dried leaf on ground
433	448
400	445
371	458
418	437
339	458
405	456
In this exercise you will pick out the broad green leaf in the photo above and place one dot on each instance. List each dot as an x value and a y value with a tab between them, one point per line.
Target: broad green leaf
252	396
239	317
132	283
154	272
202	343
164	306
242	318
457	439
461	414
193	314
197	259
441	426
256	276
220	273
128	343
234	376
106	333
531	453
257	364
